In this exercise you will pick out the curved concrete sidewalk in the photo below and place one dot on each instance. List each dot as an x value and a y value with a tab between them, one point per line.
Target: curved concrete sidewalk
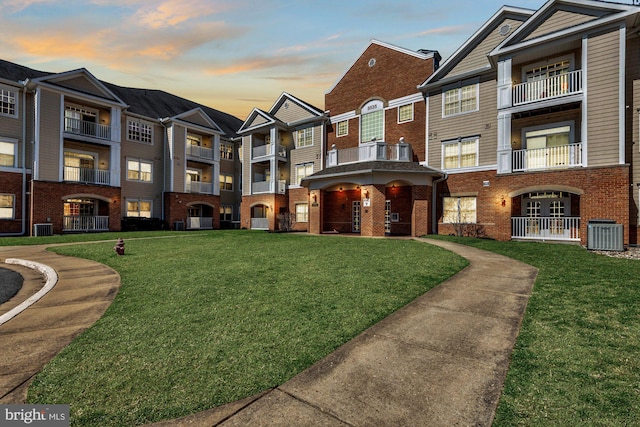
439	361
29	340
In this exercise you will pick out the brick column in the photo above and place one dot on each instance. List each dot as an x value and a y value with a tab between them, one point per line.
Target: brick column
421	212
372	216
315	211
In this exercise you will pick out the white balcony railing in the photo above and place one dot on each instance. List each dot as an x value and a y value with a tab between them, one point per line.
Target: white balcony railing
551	87
200	187
87	176
199	223
259	223
85	223
85	128
200	152
261	187
563	156
267	150
370	151
546	228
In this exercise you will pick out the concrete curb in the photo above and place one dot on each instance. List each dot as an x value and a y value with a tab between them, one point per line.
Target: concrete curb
50	276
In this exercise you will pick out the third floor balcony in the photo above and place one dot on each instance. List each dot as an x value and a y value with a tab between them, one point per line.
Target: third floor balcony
370	151
547	88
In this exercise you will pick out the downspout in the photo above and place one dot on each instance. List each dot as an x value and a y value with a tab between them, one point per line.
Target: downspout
434	198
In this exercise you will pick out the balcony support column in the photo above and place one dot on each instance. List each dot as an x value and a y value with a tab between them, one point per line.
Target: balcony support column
504	143
116	115
114	162
505	84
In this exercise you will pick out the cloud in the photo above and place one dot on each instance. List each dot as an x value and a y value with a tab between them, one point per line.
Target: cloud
255	63
172	13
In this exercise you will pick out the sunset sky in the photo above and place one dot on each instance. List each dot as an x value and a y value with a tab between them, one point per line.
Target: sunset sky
230	55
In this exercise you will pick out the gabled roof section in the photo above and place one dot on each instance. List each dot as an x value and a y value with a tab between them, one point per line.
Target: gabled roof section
197	117
80	80
560	18
422	54
285	100
256	119
471	58
16	73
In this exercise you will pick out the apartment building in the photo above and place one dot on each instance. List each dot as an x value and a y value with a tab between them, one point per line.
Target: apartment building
534	120
375	182
79	155
280	147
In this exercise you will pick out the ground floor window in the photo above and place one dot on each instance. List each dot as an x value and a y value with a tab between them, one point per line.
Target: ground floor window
139	208
302	212
226	213
459	210
7	206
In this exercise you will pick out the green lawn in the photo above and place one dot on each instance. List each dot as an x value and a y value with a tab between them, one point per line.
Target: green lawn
208	318
577	358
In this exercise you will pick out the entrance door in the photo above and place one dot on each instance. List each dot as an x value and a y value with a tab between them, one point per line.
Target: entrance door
546	214
355	217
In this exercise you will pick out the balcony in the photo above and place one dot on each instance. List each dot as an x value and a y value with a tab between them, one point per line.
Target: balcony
199	152
266	187
87	176
199	223
551	87
546	228
561	157
268	150
259	223
370	151
85	223
200	187
87	128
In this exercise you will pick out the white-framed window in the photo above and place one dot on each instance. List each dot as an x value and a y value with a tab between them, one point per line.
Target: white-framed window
459	210
8	102
342	128
226	151
139	208
139	170
460	153
405	113
305	137
226	213
7	206
302	212
8	153
372	122
80	120
226	182
139	131
552	135
303	170
460	100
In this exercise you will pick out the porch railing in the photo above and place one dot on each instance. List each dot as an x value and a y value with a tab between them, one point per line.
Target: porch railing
85	128
86	175
551	87
546	228
85	223
563	156
259	223
200	187
370	151
261	187
200	152
267	150
199	223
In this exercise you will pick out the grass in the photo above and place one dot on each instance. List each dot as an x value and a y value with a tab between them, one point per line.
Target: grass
576	360
210	318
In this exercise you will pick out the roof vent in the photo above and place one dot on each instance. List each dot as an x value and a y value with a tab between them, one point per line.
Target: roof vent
504	30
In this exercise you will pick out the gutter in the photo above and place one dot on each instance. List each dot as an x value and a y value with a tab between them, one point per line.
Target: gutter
434	197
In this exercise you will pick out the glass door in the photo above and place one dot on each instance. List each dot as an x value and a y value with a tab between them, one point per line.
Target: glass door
355	217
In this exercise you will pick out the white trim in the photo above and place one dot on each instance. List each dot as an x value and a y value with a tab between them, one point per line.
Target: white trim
458	142
585	105
571	57
140	122
398	102
344	116
622	95
13	207
16	98
426	131
338	135
105	102
138	200
549	126
16	143
459	86
413	112
140	161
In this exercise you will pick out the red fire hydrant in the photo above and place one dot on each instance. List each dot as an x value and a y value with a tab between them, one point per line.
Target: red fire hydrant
119	247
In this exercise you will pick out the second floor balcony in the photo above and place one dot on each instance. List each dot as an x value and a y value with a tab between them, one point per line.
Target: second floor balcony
559	157
268	150
87	175
547	88
199	152
200	187
370	151
87	128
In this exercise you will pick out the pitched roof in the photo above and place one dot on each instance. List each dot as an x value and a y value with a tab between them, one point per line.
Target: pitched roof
150	103
372	167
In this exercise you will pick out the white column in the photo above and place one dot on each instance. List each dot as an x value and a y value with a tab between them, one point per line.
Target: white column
505	86
116	127
504	143
114	161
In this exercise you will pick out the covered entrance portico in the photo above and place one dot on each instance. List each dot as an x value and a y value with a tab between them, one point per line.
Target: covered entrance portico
371	199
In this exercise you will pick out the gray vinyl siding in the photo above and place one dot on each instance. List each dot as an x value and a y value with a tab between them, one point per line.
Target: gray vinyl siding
81	84
49	149
179	161
603	99
258	121
291	114
246	165
559	20
197	119
477	58
305	155
482	122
